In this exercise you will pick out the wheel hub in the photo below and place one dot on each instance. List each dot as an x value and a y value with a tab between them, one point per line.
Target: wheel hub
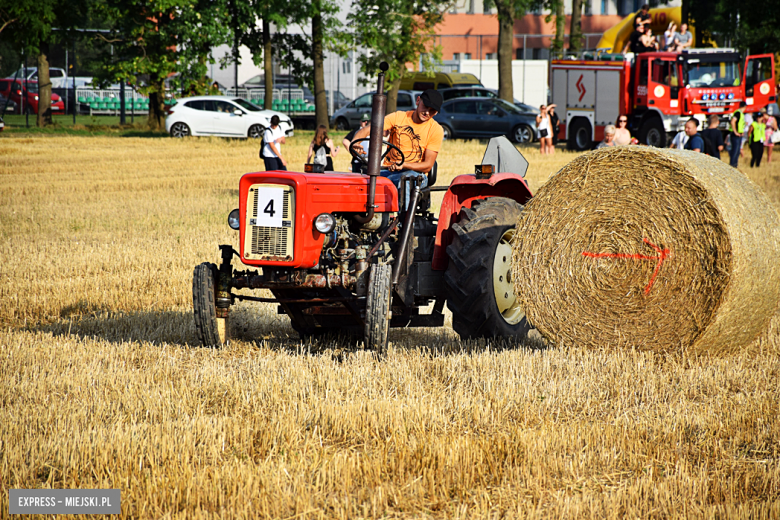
503	288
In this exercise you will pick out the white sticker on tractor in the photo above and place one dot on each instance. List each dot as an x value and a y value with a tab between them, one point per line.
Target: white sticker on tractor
270	205
658	91
764	88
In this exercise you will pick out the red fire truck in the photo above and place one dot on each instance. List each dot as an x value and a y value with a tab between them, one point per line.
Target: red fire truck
658	91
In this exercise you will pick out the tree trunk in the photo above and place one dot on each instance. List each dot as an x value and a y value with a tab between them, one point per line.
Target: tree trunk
392	96
560	27
268	65
156	119
506	27
44	87
320	97
575	32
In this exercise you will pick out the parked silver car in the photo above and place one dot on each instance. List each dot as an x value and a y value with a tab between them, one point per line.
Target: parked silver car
349	116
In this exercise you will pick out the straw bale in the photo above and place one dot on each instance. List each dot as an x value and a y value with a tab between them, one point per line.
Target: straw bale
664	250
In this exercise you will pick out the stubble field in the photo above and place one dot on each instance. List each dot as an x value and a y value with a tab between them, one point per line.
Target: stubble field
102	384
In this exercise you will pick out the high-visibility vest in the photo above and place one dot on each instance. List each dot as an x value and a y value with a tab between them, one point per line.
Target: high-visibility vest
740	121
759	132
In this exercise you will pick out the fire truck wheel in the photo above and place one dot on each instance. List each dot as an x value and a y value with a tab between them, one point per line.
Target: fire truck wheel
180	130
523	134
652	133
211	331
478	280
579	135
378	308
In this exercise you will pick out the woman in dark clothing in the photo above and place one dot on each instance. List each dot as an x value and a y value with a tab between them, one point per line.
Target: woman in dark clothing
321	140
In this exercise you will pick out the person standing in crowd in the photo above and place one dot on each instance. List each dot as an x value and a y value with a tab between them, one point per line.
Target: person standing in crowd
555	124
643	17
320	141
622	135
609	137
695	142
669	36
272	151
544	127
358	166
683	39
737	125
771	128
680	140
714	136
756	137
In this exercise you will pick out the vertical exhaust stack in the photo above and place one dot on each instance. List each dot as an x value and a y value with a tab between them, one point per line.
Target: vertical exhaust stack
378	107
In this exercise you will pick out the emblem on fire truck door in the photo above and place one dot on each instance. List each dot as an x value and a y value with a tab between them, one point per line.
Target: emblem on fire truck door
764	88
659	91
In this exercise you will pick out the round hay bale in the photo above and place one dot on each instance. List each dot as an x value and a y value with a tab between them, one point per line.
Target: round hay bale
664	250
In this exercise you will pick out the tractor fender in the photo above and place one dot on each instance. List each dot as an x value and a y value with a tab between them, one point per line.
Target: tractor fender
463	191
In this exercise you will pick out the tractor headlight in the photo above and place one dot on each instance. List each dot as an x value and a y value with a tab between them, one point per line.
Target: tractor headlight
324	223
233	220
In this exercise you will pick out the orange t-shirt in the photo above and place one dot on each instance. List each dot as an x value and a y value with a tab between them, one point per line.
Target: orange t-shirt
413	139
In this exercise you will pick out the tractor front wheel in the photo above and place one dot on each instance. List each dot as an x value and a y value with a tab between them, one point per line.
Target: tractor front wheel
378	308
211	330
479	276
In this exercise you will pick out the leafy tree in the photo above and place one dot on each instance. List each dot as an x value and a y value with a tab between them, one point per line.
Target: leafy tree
155	39
747	24
398	32
575	31
28	24
508	11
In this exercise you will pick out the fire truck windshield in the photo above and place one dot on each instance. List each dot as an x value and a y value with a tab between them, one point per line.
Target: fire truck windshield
701	74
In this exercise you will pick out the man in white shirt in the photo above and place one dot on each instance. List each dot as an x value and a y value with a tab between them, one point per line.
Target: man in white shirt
272	151
680	140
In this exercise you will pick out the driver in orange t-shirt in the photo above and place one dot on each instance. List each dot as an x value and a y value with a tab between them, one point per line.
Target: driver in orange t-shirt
417	135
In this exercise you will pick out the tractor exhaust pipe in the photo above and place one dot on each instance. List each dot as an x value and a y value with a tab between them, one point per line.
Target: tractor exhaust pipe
378	107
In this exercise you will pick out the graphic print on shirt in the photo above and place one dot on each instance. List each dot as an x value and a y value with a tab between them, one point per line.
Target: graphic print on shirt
406	139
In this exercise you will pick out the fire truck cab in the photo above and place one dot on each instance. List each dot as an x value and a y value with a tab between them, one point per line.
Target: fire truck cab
658	91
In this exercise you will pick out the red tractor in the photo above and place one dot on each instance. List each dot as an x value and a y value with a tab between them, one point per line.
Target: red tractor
338	255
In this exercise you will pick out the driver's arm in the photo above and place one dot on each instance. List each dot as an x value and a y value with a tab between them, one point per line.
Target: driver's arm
423	167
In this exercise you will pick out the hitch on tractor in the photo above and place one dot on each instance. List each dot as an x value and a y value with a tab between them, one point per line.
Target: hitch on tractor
339	255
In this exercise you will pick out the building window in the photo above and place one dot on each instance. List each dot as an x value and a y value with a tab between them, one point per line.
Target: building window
455	55
519	54
604	6
491	55
466	55
346	67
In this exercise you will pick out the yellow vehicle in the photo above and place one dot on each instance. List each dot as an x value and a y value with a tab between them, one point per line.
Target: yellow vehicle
423	80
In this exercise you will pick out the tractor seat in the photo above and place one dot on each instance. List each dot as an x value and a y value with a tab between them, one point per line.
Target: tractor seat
424	203
432	174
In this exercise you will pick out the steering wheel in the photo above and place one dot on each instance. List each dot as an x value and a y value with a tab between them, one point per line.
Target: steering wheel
362	157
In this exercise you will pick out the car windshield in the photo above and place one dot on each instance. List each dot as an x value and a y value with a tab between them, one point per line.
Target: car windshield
246	105
712	74
509	107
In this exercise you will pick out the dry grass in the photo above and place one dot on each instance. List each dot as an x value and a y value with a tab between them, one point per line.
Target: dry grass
101	386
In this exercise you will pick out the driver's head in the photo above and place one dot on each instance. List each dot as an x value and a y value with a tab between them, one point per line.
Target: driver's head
691	127
428	104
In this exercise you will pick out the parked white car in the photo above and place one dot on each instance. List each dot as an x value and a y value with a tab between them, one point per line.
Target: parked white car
57	76
222	116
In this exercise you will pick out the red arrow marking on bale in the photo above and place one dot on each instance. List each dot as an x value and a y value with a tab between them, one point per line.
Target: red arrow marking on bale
663	254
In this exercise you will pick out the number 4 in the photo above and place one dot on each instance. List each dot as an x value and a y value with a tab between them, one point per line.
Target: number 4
269	209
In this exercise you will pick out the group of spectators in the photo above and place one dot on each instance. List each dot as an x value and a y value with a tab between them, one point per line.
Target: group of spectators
755	130
643	40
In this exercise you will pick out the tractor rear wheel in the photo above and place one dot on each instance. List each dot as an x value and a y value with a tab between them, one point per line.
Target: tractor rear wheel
211	331
480	291
378	308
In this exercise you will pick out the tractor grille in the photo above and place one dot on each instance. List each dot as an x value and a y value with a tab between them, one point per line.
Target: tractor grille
270	223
